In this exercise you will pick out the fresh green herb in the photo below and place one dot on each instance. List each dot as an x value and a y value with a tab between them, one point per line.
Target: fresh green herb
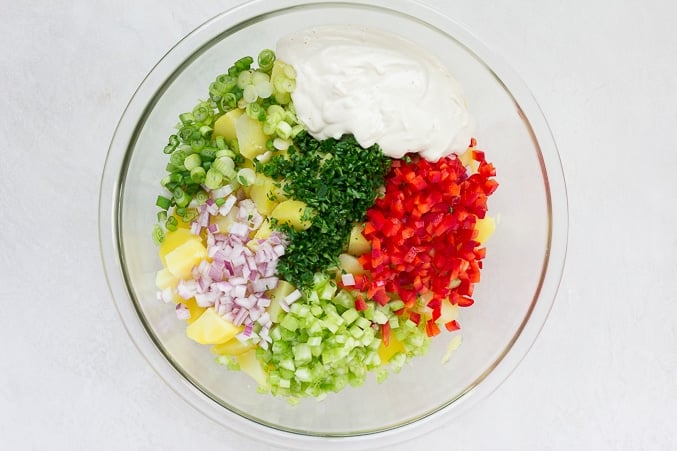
339	181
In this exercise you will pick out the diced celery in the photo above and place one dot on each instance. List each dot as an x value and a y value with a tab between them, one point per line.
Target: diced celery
362	322
356	331
350	315
314	341
290	323
303	374
302	353
380	317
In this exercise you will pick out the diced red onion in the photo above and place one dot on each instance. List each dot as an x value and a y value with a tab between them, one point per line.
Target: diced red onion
205	299
182	312
222	192
249	328
227	205
254	314
292	297
279	250
195	228
348	280
167	295
239	317
186	288
239	291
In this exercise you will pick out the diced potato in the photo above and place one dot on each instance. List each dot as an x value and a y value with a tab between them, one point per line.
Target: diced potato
224	222
358	244
263	232
165	279
350	264
225	125
387	352
264	194
173	240
195	310
232	347
485	228
291	212
448	312
250	137
467	160
250	365
181	260
210	329
278	293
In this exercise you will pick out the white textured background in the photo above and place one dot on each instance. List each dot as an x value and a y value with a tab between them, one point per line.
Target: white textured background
602	375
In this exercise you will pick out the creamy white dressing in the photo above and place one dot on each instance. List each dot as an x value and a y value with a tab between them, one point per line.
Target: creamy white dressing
379	87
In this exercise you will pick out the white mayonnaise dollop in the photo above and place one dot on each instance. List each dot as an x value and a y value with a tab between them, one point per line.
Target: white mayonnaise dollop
377	86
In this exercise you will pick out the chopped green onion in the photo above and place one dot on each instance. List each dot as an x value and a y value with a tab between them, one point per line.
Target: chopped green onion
221	143
249	94
206	131
227	82
228	102
213	179
244	63
255	112
225	165
186	118
163	202
202	112
246	176
181	197
177	158
266	59
172	223
161	216
192	161
201	197
197	174
158	234
283	130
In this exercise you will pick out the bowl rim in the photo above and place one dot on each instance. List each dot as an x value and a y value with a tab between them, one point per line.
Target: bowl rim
111	250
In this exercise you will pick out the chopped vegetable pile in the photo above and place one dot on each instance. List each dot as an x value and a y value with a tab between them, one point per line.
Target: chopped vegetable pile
308	264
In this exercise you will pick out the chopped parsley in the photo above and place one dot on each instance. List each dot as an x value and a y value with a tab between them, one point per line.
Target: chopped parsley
339	180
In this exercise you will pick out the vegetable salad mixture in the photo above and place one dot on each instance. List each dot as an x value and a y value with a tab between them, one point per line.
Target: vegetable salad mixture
307	263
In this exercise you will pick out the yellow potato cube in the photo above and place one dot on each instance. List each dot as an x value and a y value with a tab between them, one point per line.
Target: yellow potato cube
211	329
195	310
467	160
358	244
250	137
165	279
224	222
263	232
350	264
180	261
264	194
387	352
250	365
225	125
291	212
448	312
232	347
277	294
173	240
485	228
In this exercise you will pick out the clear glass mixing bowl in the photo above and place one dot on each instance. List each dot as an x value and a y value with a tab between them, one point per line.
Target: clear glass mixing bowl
521	274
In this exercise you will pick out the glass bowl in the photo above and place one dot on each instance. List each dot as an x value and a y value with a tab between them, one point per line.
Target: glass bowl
521	274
